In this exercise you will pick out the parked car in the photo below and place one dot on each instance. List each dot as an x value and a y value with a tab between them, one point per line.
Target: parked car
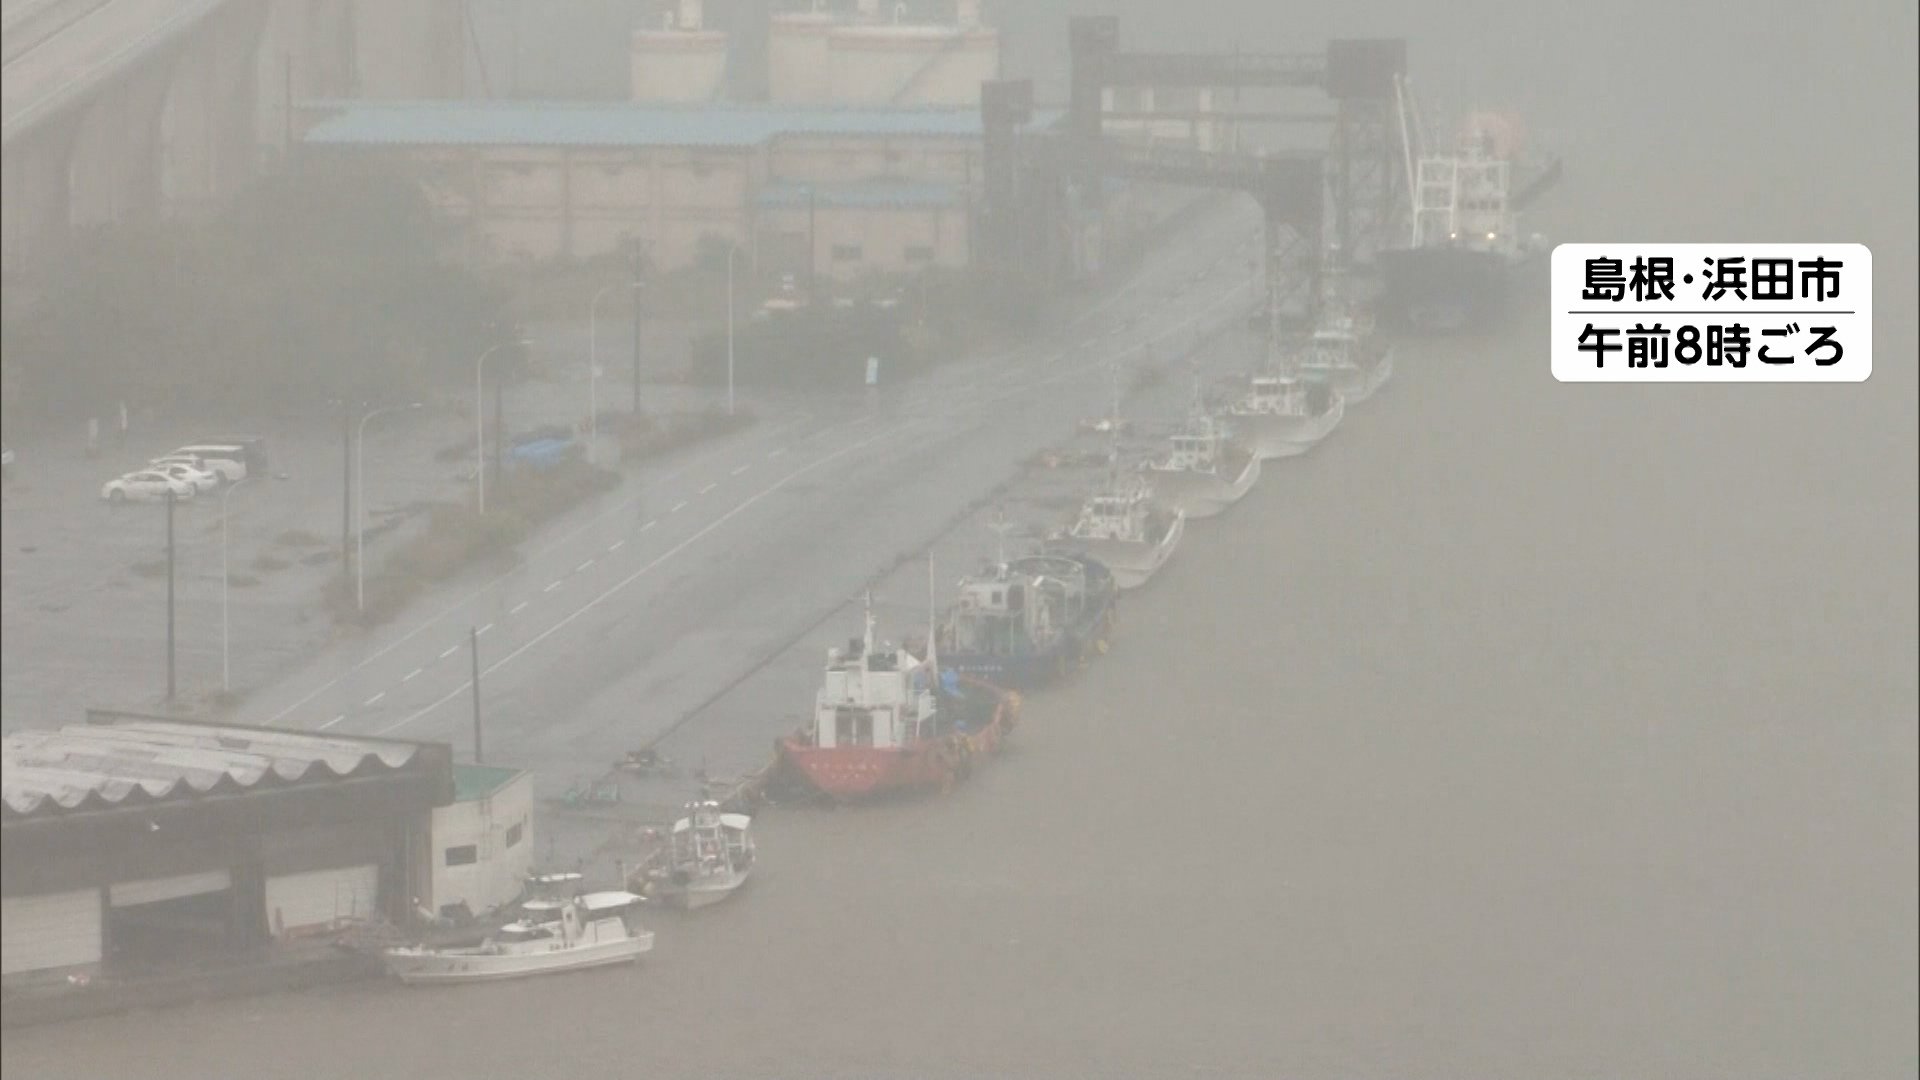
147	485
193	461
253	450
227	461
201	479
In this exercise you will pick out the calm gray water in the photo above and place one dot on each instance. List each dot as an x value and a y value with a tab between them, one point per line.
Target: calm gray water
1523	730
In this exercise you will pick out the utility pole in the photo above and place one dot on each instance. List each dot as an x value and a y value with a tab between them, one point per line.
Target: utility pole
346	483
479	752
636	330
170	569
499	426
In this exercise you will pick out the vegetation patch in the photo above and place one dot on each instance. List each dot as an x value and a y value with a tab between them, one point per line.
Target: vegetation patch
457	537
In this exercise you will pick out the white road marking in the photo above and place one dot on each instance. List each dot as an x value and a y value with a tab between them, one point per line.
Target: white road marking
496	582
678	508
519	607
410	675
483	630
333	721
743	468
621	585
451	649
374	700
583	566
554	586
771	454
618	544
706	489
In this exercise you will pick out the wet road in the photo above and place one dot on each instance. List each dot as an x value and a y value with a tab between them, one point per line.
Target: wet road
634	613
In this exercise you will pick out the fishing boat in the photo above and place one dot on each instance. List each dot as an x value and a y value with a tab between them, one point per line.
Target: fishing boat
1282	414
1347	356
551	936
1203	471
886	721
709	855
1024	622
1121	528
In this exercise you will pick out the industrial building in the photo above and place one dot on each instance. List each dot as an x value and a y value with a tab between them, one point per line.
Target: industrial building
134	844
835	192
870	53
482	841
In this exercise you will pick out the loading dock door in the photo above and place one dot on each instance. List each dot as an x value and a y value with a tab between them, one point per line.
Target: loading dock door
152	891
54	930
320	898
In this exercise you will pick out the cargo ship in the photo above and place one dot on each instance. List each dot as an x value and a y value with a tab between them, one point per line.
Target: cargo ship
1466	248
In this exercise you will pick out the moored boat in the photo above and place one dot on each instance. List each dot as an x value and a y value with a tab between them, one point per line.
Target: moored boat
709	855
1024	622
1282	415
553	936
1203	471
886	721
1119	527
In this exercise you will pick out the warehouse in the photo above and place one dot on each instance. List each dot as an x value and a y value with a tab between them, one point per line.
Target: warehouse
543	182
133	844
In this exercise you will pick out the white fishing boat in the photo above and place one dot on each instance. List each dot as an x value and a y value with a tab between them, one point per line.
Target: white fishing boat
1282	415
709	856
1346	355
552	936
1203	471
1121	528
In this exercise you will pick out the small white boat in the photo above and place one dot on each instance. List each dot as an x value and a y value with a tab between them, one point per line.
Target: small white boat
1120	527
1282	415
553	936
709	856
1203	471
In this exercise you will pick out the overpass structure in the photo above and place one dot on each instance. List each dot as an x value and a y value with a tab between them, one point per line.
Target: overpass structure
137	109
1331	205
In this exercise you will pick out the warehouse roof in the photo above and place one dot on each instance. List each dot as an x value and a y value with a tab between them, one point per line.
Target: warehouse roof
103	765
621	124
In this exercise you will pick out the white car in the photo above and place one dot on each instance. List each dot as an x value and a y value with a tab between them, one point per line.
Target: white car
223	462
147	485
201	479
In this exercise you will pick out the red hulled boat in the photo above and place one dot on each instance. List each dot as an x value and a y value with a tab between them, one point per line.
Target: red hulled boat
887	721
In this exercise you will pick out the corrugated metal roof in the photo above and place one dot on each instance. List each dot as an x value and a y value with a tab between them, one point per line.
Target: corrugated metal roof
870	194
98	765
621	124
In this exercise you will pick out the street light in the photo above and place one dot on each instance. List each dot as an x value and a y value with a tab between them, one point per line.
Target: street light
360	505
733	249
593	368
480	420
226	681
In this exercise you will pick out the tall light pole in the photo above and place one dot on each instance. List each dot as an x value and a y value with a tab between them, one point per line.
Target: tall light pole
733	249
360	505
593	368
480	420
226	681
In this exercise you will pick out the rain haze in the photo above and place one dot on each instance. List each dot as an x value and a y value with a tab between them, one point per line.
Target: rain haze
639	457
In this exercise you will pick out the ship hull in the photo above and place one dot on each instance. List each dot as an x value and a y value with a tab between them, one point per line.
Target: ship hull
1132	565
1356	382
428	967
851	773
1200	494
1444	290
1277	435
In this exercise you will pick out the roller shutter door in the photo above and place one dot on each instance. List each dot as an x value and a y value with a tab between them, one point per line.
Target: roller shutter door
54	930
317	899
128	893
